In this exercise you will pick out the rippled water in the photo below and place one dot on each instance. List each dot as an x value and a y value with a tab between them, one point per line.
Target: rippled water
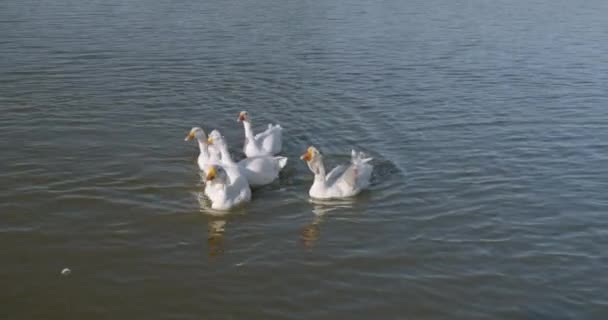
488	121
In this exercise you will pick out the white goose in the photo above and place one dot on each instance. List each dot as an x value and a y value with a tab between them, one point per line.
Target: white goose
259	170
208	154
343	181
268	142
226	187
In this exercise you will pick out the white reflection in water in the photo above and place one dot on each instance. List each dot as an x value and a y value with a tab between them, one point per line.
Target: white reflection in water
311	232
215	236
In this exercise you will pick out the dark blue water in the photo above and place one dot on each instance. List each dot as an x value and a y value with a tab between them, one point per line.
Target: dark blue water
488	122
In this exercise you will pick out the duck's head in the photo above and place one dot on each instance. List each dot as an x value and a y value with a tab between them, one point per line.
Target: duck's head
215	137
197	133
215	174
311	154
243	116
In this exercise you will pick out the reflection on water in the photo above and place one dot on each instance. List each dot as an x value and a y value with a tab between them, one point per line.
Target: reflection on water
310	232
215	238
321	208
217	220
216	226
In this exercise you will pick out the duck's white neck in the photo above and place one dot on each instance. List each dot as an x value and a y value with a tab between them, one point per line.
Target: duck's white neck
318	168
248	130
202	145
225	154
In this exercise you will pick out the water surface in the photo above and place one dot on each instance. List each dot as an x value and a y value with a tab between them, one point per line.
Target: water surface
488	122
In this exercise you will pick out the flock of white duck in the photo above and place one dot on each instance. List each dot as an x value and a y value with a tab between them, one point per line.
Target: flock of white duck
228	183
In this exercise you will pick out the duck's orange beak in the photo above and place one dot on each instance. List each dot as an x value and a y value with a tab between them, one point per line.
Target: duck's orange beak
307	156
210	174
210	140
242	116
190	136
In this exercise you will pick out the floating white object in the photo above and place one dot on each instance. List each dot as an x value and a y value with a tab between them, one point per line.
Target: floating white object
66	272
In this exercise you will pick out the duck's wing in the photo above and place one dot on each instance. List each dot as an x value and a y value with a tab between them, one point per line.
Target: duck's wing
358	173
271	130
281	162
335	174
260	165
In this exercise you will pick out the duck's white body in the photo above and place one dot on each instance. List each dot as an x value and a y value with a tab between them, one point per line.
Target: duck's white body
262	170
343	181
265	143
259	170
231	192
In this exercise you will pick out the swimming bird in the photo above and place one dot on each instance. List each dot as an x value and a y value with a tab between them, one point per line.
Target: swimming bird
268	142
259	170
341	182
226	187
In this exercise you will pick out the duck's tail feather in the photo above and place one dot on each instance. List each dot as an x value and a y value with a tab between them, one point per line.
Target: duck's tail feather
363	169
275	127
360	157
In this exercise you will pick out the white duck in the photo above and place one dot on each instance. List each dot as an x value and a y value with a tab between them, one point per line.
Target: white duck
268	142
259	170
226	187
343	181
208	154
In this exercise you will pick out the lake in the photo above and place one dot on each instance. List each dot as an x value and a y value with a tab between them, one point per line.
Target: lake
487	121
